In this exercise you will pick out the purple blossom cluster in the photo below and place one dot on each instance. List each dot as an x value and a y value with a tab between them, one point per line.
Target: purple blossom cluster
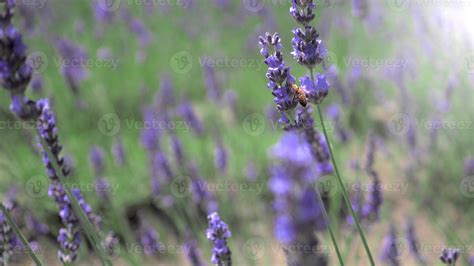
218	233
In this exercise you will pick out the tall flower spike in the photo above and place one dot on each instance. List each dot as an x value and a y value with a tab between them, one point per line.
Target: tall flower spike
69	237
193	253
390	253
15	73
413	244
297	212
279	78
218	233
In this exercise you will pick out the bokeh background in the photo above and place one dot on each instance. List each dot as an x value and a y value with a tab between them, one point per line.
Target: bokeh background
401	73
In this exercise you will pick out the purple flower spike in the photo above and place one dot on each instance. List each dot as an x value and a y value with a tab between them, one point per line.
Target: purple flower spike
218	232
69	237
390	253
297	212
193	253
413	243
449	256
96	158
279	78
119	152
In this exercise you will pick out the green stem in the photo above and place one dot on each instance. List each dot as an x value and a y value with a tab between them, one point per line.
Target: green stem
326	218
344	193
339	180
20	235
83	219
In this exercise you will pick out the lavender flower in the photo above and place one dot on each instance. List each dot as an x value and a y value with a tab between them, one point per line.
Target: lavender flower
298	213
37	84
177	148
390	252
469	166
74	72
316	140
150	137
315	91
35	226
96	158
148	238
15	73
193	253
279	78
218	233
119	152
212	84
201	196
165	98
187	112
8	240
371	208
307	48
413	244
220	157
69	237
449	256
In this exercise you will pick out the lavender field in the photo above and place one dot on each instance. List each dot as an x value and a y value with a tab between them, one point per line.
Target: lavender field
236	132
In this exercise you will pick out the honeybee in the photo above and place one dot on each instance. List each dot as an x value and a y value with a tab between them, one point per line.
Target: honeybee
300	94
